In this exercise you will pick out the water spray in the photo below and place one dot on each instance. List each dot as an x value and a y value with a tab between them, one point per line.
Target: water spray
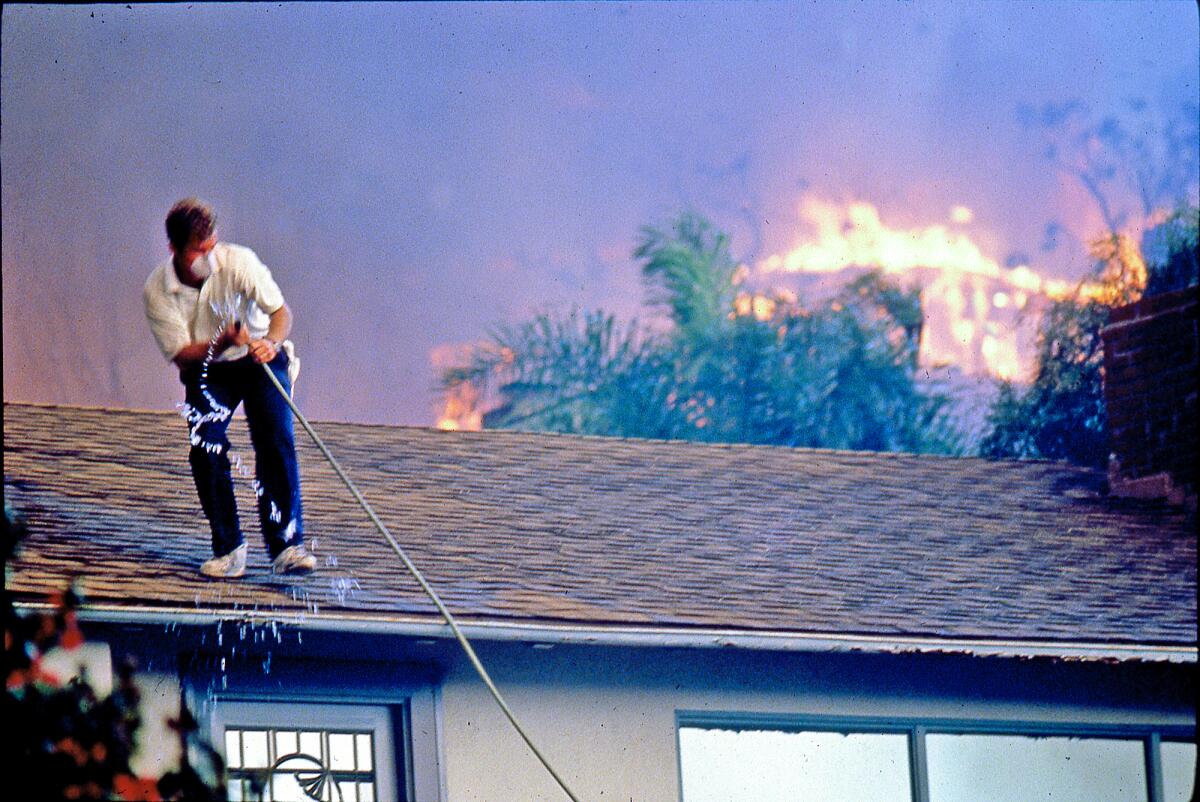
429	591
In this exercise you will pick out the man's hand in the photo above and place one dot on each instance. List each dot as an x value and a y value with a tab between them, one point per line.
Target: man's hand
235	334
263	350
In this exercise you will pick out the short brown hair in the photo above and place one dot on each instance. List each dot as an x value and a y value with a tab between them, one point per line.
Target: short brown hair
190	221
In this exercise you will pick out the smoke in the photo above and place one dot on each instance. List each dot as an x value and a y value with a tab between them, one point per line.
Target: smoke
413	173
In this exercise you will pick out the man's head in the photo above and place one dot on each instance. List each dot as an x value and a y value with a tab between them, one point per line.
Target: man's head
191	226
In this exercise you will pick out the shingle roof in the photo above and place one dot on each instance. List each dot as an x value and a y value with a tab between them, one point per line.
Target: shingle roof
536	528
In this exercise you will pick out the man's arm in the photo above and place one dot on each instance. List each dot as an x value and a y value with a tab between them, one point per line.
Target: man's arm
264	350
195	352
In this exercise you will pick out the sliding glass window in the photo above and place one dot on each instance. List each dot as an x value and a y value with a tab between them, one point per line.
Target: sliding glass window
756	758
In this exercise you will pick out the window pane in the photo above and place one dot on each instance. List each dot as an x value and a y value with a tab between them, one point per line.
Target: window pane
363	746
773	766
285	744
366	792
1179	770
349	791
286	789
310	744
254	749
341	751
233	749
1017	767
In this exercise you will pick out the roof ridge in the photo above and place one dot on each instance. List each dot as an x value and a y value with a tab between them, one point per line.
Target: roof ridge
88	407
637	441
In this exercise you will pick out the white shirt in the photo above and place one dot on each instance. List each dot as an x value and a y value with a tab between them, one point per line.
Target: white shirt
240	287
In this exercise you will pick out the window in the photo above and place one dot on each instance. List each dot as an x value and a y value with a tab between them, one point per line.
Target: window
1017	767
1178	770
312	729
312	751
732	758
776	766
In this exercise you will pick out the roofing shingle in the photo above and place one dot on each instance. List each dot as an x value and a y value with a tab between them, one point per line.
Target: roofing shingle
522	527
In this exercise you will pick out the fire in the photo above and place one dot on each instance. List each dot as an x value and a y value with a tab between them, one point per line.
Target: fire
462	409
972	303
961	215
855	236
746	303
979	315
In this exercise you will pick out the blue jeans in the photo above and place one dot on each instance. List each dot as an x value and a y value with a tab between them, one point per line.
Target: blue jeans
270	420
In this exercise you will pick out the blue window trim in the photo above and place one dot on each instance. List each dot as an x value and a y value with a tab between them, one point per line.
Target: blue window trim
916	728
410	691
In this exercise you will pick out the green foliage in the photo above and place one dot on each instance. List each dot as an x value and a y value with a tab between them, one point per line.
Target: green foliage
580	373
1061	415
66	741
1176	243
689	272
838	375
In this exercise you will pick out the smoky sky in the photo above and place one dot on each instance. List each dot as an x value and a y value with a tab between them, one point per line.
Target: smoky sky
416	174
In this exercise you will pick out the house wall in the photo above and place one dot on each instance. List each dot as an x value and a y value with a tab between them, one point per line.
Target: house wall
1150	392
606	717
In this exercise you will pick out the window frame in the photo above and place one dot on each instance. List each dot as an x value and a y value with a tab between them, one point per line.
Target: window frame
410	693
917	727
379	719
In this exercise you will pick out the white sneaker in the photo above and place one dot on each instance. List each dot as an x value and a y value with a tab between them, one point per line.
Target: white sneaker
230	566
294	560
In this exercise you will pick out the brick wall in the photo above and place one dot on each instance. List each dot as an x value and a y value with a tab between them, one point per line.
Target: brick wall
1150	391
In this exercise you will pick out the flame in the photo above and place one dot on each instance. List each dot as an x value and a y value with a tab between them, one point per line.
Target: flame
961	215
756	304
1123	274
972	303
855	236
462	409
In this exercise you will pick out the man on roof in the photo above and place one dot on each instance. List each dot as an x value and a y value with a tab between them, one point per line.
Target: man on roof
218	315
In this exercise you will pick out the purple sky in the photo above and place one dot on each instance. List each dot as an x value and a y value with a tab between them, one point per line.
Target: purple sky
414	174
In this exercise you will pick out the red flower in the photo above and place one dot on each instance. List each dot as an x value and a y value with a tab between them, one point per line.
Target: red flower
16	679
72	638
34	674
136	789
69	746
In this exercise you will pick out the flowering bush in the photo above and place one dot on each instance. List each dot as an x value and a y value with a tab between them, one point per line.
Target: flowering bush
64	740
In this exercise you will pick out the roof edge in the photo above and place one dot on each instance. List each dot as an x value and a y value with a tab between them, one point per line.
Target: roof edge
652	637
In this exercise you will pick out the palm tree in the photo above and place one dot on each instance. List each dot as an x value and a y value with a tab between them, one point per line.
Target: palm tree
840	374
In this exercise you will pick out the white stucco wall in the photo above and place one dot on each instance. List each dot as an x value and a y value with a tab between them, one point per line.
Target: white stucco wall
157	744
607	720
